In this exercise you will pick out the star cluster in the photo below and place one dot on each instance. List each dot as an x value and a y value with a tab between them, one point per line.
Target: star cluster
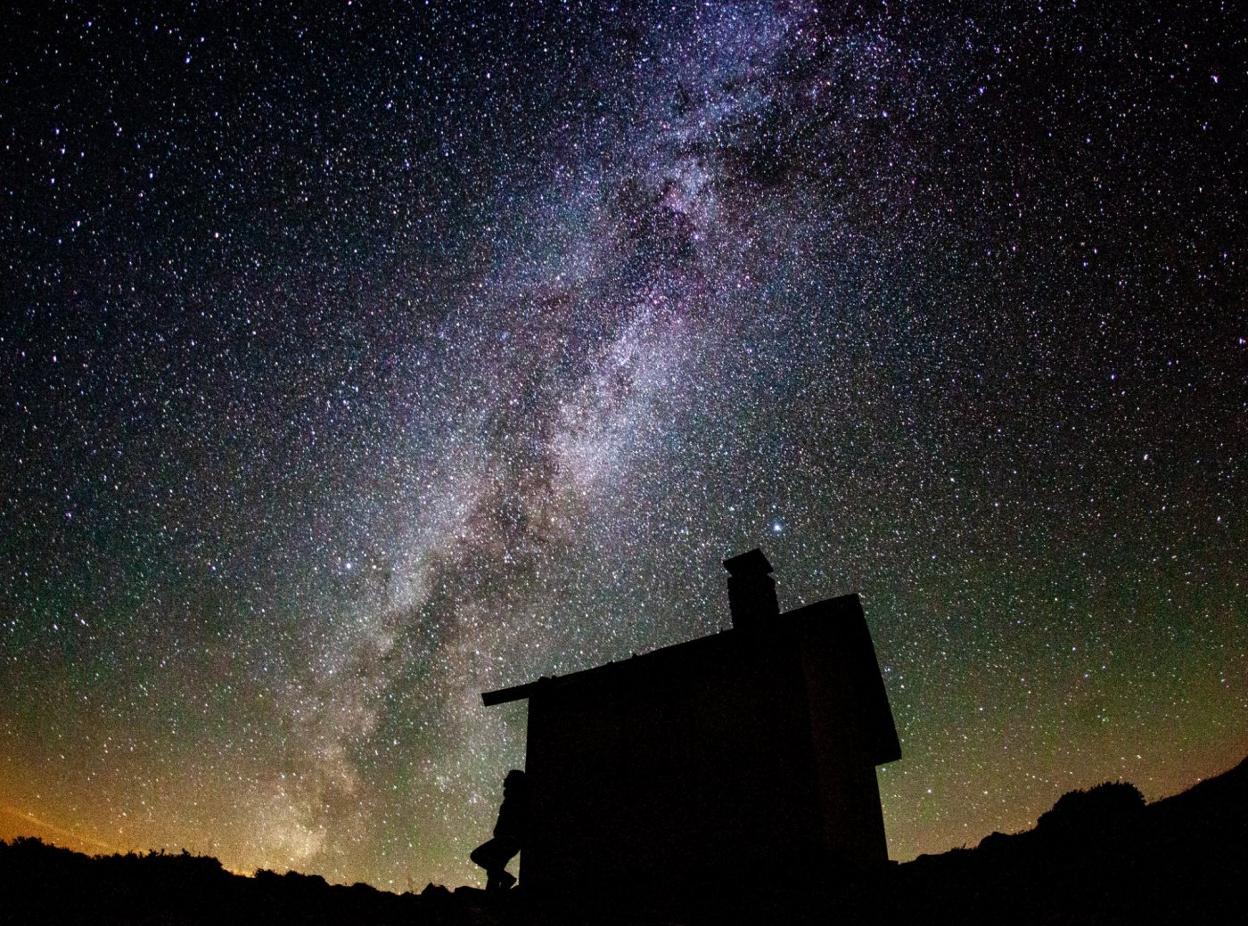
356	358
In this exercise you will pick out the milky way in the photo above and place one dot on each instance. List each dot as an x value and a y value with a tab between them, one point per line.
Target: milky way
359	360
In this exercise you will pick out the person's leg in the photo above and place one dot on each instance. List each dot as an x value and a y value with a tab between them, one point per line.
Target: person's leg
479	855
493	856
508	846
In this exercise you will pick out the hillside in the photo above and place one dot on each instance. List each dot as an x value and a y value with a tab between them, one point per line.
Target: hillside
1100	856
1099	859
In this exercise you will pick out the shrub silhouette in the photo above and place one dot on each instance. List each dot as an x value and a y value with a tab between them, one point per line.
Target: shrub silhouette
1100	810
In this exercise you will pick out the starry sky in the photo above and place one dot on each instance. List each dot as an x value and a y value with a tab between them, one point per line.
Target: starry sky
356	358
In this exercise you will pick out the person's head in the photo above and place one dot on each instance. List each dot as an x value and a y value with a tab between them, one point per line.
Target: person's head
515	778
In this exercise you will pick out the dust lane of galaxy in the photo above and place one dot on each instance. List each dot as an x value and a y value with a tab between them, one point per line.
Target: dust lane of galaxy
360	359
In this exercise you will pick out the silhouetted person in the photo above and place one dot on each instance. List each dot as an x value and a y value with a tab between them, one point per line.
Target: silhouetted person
509	833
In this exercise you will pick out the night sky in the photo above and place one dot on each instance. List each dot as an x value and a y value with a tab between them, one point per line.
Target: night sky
355	359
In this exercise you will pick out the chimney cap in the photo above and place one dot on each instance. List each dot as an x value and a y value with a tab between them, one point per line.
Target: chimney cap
752	563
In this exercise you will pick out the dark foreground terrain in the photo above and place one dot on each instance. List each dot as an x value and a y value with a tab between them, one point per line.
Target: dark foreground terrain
1099	856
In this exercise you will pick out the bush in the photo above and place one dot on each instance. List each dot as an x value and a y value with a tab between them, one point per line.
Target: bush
1108	806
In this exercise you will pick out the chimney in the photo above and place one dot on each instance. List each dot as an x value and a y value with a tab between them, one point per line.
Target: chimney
751	590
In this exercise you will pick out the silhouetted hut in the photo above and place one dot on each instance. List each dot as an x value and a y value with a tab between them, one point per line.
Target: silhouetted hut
746	754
